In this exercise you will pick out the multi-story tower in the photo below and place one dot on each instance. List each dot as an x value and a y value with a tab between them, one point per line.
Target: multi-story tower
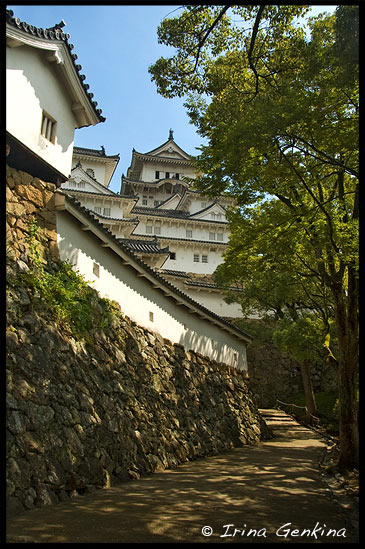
172	227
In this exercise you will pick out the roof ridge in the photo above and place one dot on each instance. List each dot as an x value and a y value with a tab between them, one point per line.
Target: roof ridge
98	152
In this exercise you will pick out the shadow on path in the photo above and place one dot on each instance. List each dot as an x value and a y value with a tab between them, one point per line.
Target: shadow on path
261	487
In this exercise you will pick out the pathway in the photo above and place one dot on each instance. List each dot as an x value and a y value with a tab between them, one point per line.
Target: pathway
273	489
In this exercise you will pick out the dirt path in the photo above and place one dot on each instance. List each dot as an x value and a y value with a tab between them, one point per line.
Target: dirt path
273	489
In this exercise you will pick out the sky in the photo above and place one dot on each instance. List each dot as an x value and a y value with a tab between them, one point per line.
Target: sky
115	45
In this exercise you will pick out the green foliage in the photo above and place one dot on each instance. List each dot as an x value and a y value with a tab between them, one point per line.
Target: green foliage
327	406
66	293
281	118
201	34
32	240
72	300
302	340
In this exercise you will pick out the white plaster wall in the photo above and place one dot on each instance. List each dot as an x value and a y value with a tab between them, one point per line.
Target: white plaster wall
138	298
175	228
115	208
149	170
89	202
185	259
212	301
32	85
98	168
215	303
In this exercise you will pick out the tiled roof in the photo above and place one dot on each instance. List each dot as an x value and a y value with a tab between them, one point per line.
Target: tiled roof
159	278
144	246
94	152
194	240
111	193
160	213
55	34
171	272
166	159
119	219
170	140
156	183
178	214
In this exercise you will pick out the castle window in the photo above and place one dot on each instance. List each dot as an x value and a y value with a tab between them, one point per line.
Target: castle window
149	227
106	212
97	209
220	236
167	175
173	255
189	233
203	204
157	174
177	176
96	269
196	258
48	127
90	172
204	259
211	236
151	316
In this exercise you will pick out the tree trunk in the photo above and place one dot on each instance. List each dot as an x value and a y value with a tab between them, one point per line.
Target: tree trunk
348	420
310	401
346	310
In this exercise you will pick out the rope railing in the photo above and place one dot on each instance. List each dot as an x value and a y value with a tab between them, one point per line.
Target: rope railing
296	406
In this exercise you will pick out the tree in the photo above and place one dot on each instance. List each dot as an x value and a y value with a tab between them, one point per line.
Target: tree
267	263
280	114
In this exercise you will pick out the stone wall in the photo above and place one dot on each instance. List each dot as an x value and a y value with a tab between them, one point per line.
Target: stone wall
276	376
29	198
81	416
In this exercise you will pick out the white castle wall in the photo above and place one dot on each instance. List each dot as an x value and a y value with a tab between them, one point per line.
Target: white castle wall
139	300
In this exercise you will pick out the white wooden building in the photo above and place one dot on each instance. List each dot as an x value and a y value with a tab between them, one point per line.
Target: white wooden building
116	272
169	225
47	98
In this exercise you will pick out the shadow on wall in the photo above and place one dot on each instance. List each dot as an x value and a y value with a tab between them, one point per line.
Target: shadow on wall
112	410
39	99
135	295
68	251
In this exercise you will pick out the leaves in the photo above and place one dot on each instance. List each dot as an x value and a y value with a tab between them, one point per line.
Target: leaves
280	114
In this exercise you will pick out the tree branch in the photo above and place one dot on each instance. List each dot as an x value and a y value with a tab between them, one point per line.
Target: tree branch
323	156
204	38
252	45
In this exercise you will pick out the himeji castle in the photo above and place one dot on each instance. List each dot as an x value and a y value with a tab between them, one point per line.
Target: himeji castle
170	226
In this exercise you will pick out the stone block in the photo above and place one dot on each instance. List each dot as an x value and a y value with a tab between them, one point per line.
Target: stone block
30	194
14	506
